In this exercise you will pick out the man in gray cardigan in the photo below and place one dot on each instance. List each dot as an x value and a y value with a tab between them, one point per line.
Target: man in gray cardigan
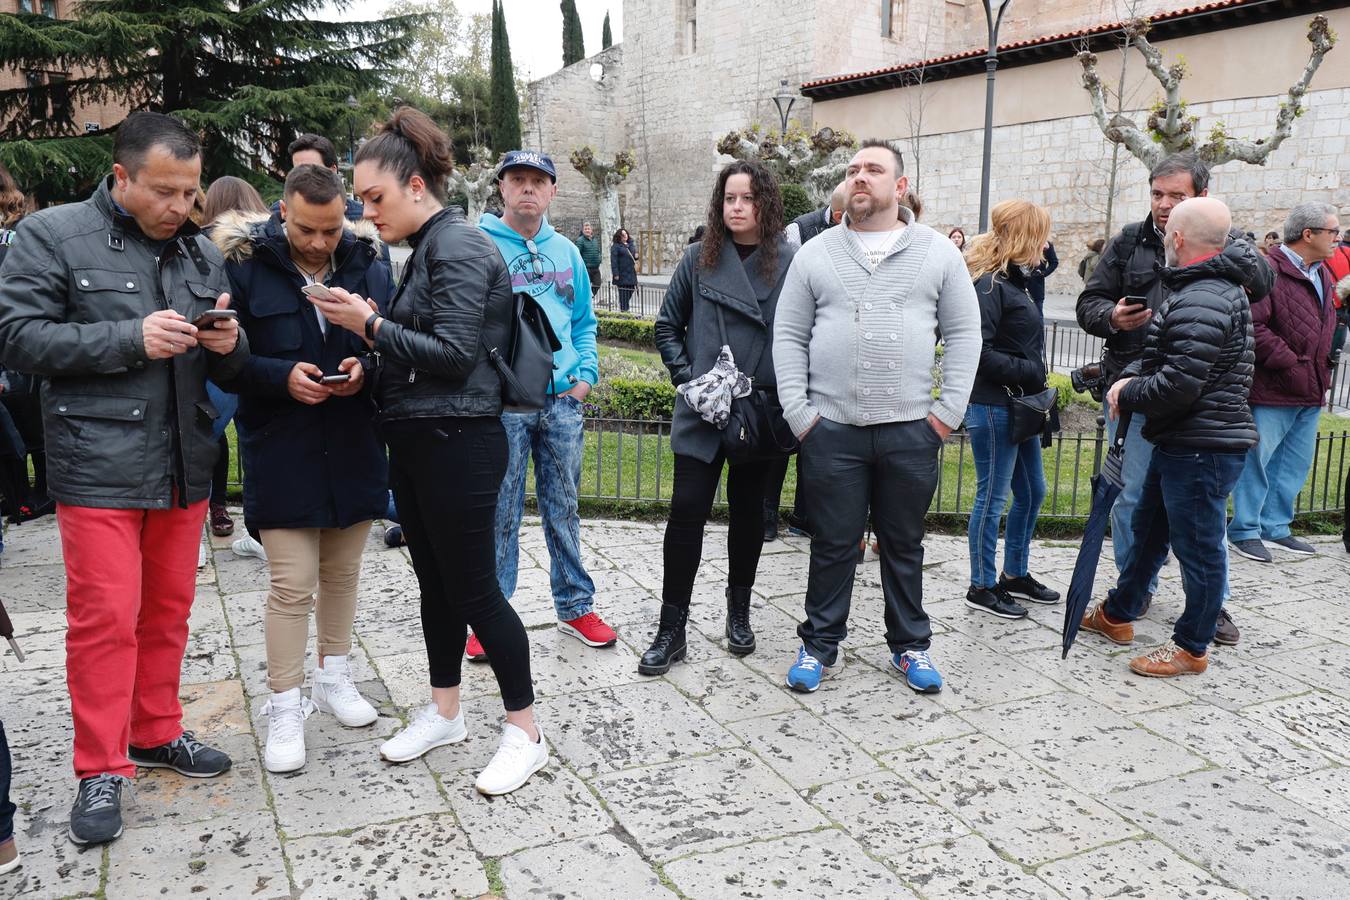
854	351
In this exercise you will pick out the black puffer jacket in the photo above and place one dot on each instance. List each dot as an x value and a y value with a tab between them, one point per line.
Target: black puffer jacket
1196	370
1131	266
454	299
1013	353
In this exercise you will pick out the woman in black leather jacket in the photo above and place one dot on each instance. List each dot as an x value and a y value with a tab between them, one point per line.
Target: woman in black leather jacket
728	282
440	407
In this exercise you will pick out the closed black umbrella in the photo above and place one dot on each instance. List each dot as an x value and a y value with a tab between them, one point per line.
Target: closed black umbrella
7	632
1106	487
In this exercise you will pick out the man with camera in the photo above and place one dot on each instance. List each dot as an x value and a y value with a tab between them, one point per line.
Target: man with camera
1120	299
122	307
317	472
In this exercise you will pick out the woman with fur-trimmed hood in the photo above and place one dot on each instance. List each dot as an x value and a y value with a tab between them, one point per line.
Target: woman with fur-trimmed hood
317	471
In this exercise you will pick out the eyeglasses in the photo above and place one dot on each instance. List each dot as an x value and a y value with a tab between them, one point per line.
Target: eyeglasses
1316	230
535	262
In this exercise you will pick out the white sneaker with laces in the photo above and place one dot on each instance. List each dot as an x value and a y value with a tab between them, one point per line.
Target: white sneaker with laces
515	761
334	693
247	546
427	731
286	713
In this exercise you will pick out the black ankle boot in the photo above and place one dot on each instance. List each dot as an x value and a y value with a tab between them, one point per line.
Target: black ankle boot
740	639
669	645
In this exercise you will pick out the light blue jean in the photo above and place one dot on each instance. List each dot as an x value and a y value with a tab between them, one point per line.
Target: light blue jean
1138	453
1263	499
555	438
1001	466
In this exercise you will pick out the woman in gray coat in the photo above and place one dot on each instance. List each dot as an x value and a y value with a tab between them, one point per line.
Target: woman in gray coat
724	291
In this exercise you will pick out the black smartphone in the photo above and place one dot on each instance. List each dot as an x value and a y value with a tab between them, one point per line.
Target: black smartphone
336	379
1135	300
209	318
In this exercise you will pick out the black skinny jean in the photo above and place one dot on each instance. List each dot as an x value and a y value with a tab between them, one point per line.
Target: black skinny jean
7	807
445	474
691	502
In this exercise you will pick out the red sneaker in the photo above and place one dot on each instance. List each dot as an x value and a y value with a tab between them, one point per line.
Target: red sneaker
590	629
474	650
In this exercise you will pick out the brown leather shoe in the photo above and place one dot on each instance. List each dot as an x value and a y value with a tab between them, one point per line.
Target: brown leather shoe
1168	661
9	857
1116	632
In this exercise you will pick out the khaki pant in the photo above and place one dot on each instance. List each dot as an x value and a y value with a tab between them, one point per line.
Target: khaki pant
312	569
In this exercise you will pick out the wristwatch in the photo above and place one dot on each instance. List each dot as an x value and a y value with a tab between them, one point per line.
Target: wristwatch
370	326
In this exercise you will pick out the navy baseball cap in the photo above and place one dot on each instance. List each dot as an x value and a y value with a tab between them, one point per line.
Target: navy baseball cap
528	159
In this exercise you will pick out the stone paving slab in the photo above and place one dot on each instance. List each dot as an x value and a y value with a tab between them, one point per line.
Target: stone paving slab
1028	776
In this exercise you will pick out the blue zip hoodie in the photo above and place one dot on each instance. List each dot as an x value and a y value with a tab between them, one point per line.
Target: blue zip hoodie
556	278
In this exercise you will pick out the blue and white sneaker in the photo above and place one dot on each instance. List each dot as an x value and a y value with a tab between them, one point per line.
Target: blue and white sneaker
805	674
920	673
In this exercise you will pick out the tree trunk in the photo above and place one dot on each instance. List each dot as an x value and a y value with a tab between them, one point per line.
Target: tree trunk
609	223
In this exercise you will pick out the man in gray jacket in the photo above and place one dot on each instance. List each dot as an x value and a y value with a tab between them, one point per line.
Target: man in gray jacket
854	351
120	305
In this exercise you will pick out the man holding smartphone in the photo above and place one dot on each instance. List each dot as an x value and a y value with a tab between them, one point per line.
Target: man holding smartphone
317	473
99	299
1118	302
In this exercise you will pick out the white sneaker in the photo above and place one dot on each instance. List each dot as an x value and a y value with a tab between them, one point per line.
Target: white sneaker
515	761
247	546
427	731
335	693
286	713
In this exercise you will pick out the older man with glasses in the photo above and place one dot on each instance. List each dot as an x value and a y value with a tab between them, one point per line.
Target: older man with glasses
548	267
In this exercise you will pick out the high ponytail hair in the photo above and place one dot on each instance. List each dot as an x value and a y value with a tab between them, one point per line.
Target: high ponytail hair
410	144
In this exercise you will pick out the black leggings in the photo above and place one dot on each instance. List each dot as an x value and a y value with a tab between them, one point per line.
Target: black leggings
445	474
221	474
690	504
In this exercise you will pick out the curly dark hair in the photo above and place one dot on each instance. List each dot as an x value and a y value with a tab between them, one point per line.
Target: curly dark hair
768	209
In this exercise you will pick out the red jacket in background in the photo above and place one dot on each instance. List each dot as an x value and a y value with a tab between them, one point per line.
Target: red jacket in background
1293	338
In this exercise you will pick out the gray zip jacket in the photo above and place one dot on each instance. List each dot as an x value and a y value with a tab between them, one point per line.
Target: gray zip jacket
123	431
858	345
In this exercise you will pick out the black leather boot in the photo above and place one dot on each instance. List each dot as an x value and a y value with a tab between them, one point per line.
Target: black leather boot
669	645
770	521
740	639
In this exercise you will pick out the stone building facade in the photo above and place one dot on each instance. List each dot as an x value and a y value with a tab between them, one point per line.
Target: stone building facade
689	71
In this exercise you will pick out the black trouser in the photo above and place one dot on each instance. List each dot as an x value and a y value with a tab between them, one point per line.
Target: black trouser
445	474
595	280
220	475
893	468
625	295
6	805
773	491
26	411
691	501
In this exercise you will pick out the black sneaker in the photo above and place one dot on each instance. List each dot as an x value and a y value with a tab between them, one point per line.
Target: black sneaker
1294	545
1025	587
994	601
1252	549
1227	633
96	817
185	755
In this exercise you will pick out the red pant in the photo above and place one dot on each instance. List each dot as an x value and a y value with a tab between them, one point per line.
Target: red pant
130	578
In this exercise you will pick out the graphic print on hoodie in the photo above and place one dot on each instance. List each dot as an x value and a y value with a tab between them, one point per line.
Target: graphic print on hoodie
554	275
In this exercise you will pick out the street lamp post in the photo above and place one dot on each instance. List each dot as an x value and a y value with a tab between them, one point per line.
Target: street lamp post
993	16
784	100
351	131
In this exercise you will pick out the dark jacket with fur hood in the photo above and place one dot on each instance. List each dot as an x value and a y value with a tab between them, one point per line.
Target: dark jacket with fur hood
306	466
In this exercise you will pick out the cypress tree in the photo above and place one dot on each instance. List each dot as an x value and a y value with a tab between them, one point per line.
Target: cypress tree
247	76
505	103
606	36
574	48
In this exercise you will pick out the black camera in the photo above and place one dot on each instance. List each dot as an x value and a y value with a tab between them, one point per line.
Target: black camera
1091	379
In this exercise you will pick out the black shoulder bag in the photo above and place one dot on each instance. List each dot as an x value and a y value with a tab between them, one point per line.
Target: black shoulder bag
526	363
756	429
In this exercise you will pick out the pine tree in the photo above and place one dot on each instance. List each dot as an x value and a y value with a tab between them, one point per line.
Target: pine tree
505	103
248	76
574	48
606	36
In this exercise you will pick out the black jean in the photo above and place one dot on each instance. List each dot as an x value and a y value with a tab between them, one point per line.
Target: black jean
773	491
7	807
221	473
691	502
625	295
445	474
894	469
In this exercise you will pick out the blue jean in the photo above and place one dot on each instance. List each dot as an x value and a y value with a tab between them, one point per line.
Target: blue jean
1183	504
1138	452
1001	465
1263	500
555	438
7	806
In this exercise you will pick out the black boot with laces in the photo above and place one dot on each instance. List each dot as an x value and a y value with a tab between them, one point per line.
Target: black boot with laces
740	639
669	645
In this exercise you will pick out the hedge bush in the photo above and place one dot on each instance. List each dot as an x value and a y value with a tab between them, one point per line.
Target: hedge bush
632	398
631	330
795	201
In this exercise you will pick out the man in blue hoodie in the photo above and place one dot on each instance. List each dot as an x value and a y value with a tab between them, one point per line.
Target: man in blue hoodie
548	267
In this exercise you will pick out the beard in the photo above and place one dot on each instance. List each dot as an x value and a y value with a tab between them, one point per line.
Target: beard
860	209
